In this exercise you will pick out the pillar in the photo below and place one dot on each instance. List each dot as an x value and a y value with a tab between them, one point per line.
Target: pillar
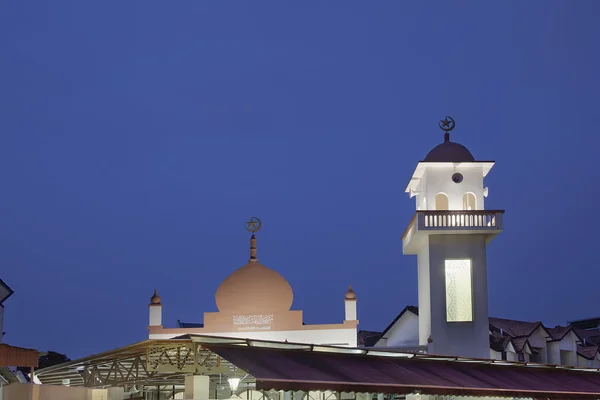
196	387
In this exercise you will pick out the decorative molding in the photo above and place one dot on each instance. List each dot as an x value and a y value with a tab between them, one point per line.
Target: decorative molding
259	319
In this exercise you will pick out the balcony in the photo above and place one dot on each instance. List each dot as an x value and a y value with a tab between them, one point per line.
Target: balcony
487	222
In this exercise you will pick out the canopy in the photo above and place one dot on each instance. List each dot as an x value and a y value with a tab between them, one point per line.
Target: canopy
297	369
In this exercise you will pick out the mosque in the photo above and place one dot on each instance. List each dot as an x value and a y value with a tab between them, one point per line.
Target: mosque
254	302
257	348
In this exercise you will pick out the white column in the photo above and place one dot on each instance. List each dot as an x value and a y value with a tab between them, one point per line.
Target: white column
196	387
155	314
350	310
380	396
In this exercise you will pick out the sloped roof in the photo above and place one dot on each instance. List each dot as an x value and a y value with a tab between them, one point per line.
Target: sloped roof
303	369
589	336
515	328
520	344
559	332
588	352
368	338
498	343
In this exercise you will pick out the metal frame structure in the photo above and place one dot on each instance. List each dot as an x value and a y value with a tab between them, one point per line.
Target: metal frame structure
161	365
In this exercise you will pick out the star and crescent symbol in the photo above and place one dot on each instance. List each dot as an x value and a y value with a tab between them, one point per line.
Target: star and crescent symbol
253	225
447	124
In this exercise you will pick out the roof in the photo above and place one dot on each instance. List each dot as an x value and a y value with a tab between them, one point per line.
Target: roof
11	356
189	324
449	152
588	323
368	338
592	336
498	343
294	366
559	332
5	292
588	352
520	343
346	371
514	328
412	309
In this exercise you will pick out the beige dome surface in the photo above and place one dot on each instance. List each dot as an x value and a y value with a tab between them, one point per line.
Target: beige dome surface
253	289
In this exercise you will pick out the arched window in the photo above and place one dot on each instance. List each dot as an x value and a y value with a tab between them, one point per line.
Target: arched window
441	201
469	202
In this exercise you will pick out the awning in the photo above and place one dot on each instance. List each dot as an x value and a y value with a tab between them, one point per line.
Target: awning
285	369
11	356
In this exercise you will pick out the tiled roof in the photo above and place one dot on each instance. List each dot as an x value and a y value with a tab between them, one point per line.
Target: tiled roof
514	328
589	336
519	344
588	352
368	338
498	343
558	332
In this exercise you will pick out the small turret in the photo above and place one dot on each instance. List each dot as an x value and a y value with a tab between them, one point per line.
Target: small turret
155	310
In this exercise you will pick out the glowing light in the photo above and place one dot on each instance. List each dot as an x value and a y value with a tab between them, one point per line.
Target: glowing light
459	291
234	383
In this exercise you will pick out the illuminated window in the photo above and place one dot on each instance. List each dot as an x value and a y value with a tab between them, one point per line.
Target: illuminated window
459	294
441	201
469	202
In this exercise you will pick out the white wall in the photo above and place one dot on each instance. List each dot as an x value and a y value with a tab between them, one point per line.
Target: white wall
405	331
155	315
553	353
424	293
339	337
467	339
438	179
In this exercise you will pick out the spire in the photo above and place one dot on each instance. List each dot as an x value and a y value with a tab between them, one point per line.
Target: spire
253	226
253	249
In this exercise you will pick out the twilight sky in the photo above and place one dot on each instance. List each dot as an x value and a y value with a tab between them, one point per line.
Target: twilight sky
137	137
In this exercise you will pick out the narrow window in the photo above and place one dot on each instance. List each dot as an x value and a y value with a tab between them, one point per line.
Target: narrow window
469	202
459	292
441	201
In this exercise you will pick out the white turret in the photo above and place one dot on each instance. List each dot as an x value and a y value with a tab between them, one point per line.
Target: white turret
449	234
350	305
155	310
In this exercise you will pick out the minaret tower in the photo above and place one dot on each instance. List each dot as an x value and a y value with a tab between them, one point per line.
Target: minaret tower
449	234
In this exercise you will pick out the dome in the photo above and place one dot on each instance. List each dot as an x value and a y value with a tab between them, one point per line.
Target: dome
350	294
155	299
254	288
449	152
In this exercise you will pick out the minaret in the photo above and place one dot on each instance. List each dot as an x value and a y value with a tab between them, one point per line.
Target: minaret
155	310
350	304
449	234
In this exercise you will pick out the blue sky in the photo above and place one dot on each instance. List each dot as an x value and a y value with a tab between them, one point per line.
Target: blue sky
137	137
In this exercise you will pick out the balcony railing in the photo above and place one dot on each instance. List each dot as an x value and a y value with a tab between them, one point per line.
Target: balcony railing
484	220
